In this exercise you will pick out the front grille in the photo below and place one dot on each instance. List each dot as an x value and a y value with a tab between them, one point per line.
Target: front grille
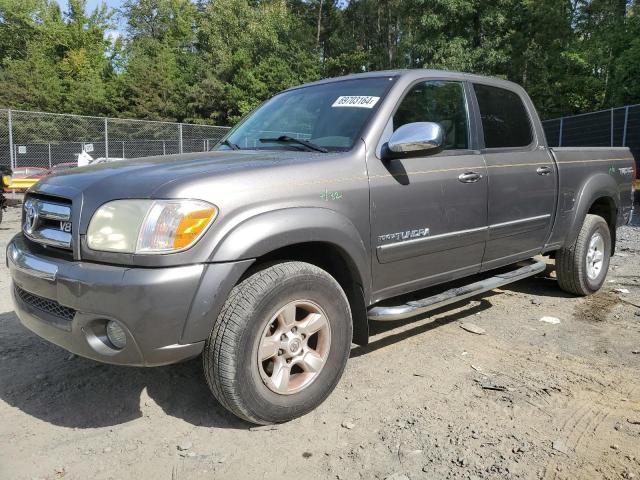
45	305
47	220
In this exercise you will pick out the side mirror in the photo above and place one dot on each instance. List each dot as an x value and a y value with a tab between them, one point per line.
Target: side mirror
414	140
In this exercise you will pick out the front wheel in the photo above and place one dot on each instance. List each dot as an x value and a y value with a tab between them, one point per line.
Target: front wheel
582	267
280	343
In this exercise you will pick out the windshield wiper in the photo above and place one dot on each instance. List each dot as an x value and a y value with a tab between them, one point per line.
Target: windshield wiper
305	143
229	144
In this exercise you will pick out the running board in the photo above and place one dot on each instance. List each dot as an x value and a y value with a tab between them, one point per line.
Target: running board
416	307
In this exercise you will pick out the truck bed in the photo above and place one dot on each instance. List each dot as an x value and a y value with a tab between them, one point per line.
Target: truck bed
593	170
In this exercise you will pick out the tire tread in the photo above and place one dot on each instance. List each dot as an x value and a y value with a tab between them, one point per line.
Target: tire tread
570	267
219	356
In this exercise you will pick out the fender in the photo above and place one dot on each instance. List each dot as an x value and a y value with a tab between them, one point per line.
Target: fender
269	231
597	186
261	234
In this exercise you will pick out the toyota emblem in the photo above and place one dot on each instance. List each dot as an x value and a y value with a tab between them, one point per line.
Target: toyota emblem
31	218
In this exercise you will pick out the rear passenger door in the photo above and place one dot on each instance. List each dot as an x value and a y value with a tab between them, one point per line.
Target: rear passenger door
522	177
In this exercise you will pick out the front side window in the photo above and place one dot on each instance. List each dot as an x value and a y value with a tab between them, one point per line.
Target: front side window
441	102
505	119
330	115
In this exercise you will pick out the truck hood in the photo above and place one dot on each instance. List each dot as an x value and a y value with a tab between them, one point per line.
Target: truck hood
140	178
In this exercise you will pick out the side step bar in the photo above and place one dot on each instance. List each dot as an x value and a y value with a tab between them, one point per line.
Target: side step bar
417	307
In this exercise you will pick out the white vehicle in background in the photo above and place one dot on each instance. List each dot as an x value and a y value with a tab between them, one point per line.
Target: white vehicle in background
85	159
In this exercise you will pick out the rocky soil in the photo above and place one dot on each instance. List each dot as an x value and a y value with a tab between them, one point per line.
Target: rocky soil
553	399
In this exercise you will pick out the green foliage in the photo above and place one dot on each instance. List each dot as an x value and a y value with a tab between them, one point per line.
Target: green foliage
60	62
212	61
159	59
249	52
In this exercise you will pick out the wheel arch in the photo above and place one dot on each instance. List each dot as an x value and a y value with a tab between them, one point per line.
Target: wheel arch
605	207
319	236
599	196
335	261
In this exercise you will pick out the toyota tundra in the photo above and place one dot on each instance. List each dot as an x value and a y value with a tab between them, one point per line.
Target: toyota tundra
335	203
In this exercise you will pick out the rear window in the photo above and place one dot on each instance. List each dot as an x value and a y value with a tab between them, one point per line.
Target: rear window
505	120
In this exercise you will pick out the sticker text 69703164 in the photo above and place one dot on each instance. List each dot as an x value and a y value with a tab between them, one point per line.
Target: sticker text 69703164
358	101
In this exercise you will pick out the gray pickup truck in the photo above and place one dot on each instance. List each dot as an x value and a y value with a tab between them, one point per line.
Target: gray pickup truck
331	205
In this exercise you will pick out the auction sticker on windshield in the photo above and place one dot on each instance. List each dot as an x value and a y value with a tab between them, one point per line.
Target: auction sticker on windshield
359	101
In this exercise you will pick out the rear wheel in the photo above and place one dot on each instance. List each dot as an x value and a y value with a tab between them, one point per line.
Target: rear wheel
280	344
582	267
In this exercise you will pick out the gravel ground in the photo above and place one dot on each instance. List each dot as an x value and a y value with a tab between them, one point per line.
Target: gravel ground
426	399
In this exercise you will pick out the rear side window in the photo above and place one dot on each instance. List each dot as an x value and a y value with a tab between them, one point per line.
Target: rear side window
505	120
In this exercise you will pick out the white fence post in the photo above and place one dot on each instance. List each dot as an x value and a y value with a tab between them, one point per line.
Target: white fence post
180	137
106	139
10	125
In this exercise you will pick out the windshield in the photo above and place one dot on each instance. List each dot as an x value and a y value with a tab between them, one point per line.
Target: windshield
326	117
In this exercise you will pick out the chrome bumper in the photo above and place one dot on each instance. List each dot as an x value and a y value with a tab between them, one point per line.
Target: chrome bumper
30	264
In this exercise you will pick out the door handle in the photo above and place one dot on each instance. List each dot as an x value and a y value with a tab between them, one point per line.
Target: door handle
543	170
469	177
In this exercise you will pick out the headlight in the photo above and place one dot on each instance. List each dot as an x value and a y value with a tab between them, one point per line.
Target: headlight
149	226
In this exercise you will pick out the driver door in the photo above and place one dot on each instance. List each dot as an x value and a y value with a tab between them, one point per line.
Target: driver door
428	213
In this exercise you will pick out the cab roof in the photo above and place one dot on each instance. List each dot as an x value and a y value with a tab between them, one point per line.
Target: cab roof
416	74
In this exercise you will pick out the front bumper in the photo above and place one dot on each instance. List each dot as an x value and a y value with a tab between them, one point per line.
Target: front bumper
164	312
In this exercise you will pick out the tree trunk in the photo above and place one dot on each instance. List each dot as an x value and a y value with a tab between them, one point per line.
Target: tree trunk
319	24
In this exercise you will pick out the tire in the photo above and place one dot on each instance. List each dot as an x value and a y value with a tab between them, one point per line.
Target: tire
574	275
250	320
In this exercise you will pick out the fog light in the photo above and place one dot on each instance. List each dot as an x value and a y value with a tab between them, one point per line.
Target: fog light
116	335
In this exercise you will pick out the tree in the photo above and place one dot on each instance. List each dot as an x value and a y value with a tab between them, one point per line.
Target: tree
248	53
62	62
158	59
215	60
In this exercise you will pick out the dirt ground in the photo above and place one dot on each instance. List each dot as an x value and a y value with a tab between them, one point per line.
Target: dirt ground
426	399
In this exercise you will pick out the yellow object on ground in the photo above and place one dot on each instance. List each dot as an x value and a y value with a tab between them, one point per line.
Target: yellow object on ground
20	183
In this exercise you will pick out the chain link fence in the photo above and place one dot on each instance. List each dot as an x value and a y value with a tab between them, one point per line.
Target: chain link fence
36	139
616	127
5	151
